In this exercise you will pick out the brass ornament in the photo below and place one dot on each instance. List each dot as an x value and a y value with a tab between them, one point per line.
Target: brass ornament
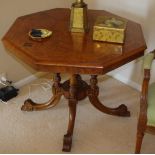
79	19
109	29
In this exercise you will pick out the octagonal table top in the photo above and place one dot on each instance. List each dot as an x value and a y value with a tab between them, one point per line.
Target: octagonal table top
67	52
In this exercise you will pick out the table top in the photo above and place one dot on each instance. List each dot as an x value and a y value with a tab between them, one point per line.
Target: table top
67	52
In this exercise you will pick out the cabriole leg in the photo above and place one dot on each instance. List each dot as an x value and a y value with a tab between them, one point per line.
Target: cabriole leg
67	144
93	97
29	105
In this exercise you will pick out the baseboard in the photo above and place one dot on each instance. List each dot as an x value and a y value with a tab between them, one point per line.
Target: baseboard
119	77
28	79
126	81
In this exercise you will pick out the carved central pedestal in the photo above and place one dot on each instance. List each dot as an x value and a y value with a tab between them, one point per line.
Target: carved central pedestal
80	86
75	89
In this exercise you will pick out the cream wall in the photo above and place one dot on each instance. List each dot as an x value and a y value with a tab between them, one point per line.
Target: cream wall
141	11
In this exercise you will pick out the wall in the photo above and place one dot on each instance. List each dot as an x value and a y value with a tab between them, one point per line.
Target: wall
141	11
9	11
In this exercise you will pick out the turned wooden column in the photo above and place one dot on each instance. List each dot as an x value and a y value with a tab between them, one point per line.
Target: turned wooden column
57	84
93	85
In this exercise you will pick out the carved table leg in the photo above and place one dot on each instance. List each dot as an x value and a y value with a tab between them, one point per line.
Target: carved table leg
29	105
93	97
67	144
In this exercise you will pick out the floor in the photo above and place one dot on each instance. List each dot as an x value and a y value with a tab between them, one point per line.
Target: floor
95	132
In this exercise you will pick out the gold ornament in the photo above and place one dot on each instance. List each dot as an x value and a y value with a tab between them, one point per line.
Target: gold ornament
109	29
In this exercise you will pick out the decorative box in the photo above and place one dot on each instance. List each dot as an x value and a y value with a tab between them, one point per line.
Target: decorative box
109	29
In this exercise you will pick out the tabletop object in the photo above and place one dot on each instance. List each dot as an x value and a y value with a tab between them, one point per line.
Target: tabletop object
73	53
79	19
109	29
39	34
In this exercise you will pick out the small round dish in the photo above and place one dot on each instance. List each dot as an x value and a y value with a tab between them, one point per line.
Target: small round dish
39	34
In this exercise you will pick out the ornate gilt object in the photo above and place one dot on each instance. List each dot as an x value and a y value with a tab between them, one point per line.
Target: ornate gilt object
78	19
109	29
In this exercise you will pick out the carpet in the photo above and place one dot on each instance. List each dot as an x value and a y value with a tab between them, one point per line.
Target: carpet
95	132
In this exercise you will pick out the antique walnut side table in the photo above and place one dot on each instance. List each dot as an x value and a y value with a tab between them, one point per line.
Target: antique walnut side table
73	53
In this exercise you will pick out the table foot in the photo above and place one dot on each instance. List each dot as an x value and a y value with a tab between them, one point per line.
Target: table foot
29	105
93	97
67	143
119	111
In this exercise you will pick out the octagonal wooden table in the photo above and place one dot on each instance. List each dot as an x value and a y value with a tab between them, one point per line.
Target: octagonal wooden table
73	53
